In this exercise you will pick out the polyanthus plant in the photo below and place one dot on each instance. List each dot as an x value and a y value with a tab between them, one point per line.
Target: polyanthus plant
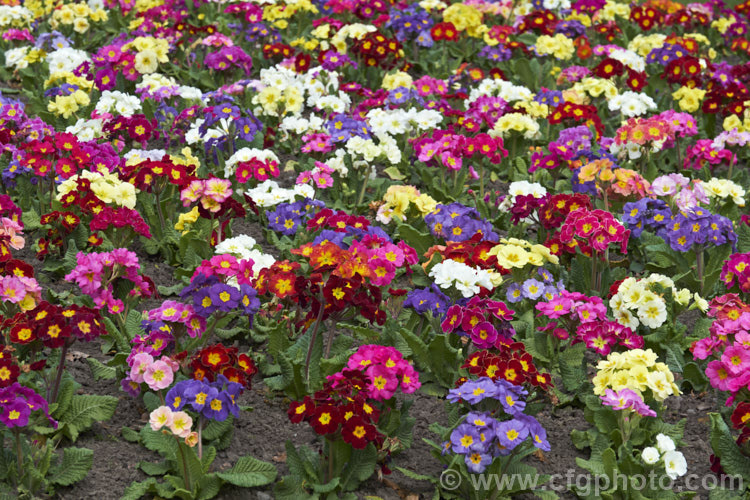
362	423
726	348
490	432
626	409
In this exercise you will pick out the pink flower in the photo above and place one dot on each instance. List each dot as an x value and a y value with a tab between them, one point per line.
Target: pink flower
409	380
718	375
158	375
736	359
181	424
160	417
218	189
192	192
138	366
12	289
383	382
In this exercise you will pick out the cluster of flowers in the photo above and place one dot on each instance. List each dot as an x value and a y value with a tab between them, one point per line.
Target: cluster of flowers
54	326
727	345
482	435
636	302
212	400
593	231
587	316
287	218
96	274
456	222
665	453
398	200
736	269
638	371
179	423
510	362
475	320
534	289
16	404
158	374
247	164
347	406
18	285
682	231
211	361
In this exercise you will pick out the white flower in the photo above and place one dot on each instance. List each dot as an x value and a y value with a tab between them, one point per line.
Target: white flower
466	279
652	313
664	443
675	464
650	455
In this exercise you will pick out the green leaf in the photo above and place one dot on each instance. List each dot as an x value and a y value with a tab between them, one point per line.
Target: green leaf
164	444
101	371
418	240
84	410
394	174
130	435
414	475
572	366
360	467
249	472
137	489
154	468
743	238
133	324
209	486
75	466
733	461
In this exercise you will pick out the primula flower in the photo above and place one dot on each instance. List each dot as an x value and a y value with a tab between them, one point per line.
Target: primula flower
158	375
160	417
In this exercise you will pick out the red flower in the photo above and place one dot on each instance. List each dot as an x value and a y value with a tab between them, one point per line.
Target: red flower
358	433
8	372
608	68
325	419
741	415
299	410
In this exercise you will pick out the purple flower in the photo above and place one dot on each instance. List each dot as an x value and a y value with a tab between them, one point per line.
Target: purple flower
473	391
424	300
510	433
465	438
477	462
532	289
514	293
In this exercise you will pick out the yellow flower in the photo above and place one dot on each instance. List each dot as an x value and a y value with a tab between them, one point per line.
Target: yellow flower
187	218
397	79
511	256
146	61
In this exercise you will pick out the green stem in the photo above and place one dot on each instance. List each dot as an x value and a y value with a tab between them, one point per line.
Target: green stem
159	212
318	321
330	460
185	476
19	453
58	377
200	438
364	187
699	265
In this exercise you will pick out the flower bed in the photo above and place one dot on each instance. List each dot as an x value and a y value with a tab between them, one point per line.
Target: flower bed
338	248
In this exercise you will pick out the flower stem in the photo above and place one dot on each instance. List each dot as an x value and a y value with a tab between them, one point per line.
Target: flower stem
200	437
699	266
361	197
19	453
60	368
185	477
312	339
